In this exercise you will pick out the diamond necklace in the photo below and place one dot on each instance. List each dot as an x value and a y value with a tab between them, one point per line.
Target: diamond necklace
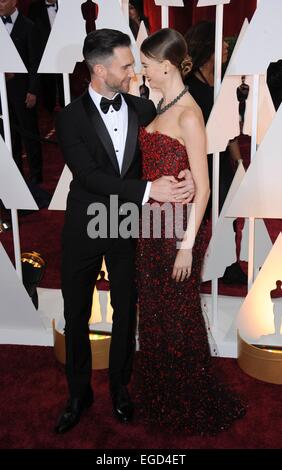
161	110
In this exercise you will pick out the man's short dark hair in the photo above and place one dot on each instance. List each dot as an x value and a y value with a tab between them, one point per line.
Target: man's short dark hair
99	45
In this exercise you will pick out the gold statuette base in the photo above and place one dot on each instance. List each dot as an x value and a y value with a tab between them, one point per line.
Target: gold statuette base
262	363
100	348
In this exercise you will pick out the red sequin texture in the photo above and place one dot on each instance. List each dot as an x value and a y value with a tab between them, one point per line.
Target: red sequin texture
175	381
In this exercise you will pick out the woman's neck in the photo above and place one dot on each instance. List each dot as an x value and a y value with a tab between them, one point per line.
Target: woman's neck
172	89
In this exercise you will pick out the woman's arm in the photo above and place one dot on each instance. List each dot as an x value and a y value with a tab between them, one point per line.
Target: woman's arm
194	136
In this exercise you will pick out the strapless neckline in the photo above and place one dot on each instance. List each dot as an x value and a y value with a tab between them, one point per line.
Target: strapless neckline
161	154
164	135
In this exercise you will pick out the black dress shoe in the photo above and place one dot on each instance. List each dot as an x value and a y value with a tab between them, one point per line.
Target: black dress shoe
71	414
123	407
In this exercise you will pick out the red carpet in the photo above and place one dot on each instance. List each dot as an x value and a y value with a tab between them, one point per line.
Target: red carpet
33	391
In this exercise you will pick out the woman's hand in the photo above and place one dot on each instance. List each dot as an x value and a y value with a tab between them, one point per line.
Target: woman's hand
182	265
188	184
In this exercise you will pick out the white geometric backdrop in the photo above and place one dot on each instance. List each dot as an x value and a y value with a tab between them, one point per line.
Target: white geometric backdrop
258	193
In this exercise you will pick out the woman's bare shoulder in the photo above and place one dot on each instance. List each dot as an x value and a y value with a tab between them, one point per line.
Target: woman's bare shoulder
191	115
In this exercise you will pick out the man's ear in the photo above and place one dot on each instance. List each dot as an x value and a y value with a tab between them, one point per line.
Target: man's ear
99	70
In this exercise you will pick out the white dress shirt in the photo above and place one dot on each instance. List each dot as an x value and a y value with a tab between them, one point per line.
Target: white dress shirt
52	11
9	26
116	123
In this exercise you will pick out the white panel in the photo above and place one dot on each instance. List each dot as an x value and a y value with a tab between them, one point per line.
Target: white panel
155	95
142	34
59	199
64	46
51	306
110	16
225	335
207	3
10	61
13	189
262	43
221	251
169	3
256	316
125	9
223	122
260	192
137	80
266	110
263	243
30	336
17	309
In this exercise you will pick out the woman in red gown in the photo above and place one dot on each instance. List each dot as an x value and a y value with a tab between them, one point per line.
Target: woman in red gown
176	381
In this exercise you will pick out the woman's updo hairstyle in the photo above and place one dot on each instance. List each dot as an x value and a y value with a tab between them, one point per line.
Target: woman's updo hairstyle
168	44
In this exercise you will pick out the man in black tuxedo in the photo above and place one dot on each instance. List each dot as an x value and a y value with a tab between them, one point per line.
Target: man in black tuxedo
22	90
43	14
98	136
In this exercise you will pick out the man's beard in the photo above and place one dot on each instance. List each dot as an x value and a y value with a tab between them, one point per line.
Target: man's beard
121	87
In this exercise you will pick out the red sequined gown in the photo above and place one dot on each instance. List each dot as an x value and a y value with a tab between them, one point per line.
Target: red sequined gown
175	382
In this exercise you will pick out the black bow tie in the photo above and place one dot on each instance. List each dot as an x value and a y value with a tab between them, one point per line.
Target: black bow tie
6	19
51	5
105	104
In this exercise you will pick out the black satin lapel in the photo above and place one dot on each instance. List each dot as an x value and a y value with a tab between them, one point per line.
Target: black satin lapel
100	129
131	140
45	17
16	28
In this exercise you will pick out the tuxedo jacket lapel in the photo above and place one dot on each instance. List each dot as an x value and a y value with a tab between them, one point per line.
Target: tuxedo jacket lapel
131	139
45	16
100	129
16	31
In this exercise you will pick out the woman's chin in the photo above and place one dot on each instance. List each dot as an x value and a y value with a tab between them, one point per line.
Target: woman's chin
152	86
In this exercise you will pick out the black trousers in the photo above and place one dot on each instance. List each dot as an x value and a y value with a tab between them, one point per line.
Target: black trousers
51	88
24	129
81	263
